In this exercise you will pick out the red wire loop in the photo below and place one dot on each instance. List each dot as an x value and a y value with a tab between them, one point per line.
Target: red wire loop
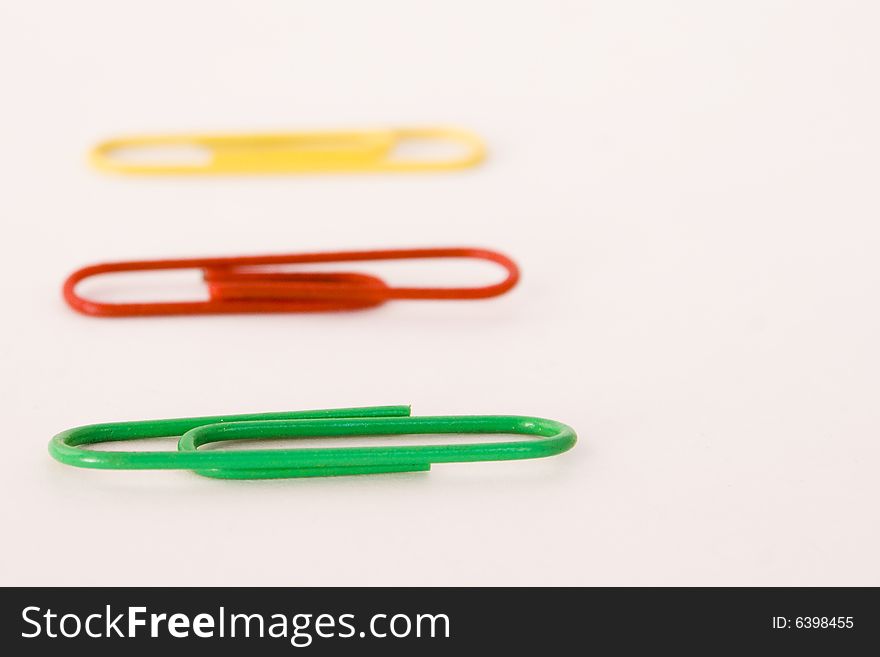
235	287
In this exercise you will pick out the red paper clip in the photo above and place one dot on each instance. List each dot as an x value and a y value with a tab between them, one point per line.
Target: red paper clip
249	284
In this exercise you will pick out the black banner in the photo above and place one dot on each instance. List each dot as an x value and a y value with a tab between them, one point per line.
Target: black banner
280	621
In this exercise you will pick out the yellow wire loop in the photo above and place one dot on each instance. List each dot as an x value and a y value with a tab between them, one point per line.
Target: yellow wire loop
304	152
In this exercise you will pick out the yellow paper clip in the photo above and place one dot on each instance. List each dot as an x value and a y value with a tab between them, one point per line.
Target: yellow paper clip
304	152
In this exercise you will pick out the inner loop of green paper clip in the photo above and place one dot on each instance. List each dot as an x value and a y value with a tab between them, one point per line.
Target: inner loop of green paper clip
550	438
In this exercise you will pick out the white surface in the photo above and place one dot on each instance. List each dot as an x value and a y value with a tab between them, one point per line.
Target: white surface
690	188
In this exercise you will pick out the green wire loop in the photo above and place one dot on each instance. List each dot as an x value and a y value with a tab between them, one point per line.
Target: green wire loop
195	433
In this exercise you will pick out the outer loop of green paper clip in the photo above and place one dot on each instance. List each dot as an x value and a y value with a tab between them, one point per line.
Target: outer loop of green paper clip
550	438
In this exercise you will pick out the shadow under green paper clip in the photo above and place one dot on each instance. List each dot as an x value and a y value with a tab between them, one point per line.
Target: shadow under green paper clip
551	438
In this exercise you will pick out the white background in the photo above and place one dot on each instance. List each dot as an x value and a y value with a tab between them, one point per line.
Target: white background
690	188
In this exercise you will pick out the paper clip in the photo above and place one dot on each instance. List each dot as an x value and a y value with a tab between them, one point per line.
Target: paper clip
260	284
550	438
306	152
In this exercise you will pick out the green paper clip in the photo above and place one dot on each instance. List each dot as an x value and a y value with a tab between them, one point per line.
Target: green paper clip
551	438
